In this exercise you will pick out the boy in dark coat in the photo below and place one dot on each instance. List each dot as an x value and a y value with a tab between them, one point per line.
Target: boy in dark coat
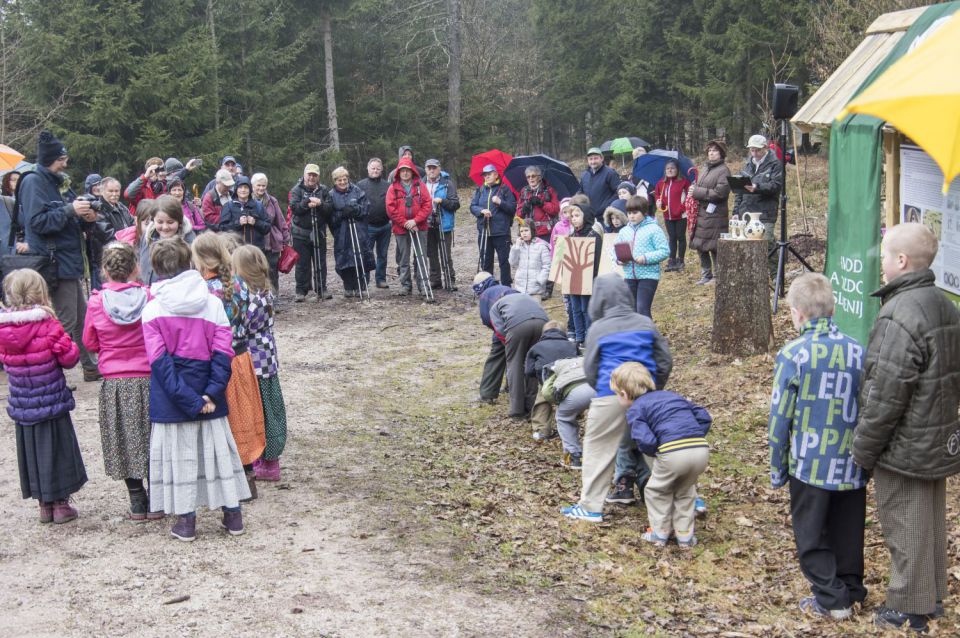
553	345
670	432
908	434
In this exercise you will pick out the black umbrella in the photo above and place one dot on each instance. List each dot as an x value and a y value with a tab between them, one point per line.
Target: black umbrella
555	173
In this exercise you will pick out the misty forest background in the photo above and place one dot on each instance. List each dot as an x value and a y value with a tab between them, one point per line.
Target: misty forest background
281	82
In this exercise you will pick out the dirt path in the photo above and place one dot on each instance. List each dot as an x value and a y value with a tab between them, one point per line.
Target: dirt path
332	549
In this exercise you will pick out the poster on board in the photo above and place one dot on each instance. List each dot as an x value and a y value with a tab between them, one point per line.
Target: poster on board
922	201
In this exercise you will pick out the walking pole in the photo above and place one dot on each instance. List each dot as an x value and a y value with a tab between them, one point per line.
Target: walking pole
484	234
419	262
445	275
358	260
316	257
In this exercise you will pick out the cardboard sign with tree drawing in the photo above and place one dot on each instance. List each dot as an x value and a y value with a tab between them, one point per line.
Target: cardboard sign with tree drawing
578	259
608	261
556	263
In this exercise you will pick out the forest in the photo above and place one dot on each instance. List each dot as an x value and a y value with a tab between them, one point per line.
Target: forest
279	83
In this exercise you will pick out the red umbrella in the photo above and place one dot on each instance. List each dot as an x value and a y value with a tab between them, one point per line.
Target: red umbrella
499	159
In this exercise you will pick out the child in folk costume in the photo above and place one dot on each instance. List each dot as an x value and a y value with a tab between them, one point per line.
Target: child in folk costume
34	349
112	328
211	257
253	302
193	457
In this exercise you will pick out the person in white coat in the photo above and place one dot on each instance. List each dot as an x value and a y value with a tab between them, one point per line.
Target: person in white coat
530	261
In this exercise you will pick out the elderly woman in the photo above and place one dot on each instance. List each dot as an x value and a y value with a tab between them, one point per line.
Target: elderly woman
348	223
711	192
538	204
279	235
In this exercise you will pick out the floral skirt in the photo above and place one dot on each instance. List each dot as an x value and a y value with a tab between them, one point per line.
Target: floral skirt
125	427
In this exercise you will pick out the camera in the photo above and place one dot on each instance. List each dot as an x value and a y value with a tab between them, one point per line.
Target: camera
94	202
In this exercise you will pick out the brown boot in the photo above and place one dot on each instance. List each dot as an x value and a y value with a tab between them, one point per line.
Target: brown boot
63	512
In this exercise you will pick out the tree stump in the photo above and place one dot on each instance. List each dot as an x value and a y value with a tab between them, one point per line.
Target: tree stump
741	312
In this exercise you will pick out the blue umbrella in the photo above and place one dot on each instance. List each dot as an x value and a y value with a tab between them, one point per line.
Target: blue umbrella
555	173
649	167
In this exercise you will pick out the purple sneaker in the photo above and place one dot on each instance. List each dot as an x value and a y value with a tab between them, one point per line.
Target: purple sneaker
233	523
185	528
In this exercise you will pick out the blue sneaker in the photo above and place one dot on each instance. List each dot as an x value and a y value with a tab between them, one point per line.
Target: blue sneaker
700	507
576	512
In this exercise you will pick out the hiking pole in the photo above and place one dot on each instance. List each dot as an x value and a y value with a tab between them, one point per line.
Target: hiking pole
358	260
316	257
419	262
484	233
445	275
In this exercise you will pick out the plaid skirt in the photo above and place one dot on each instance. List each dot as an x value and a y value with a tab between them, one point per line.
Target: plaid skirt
274	416
246	409
51	468
192	464
125	427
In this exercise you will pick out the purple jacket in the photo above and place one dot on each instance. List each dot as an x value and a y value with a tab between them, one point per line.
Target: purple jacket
34	349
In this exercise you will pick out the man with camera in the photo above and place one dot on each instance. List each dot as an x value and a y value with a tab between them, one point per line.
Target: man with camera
55	228
310	208
153	183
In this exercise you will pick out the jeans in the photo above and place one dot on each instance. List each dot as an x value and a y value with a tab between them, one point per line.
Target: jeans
643	291
581	317
406	252
677	236
305	274
378	238
433	254
630	462
569	410
500	244
568	306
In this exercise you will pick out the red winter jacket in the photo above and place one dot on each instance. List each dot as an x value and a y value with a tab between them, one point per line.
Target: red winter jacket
421	204
142	188
669	196
544	215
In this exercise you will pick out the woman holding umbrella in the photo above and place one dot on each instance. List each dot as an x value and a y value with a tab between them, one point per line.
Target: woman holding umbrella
711	191
538	204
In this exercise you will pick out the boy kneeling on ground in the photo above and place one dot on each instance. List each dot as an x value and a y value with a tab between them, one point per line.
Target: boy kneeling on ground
670	432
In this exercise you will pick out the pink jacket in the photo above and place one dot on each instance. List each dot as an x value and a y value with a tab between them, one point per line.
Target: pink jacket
561	229
127	235
113	329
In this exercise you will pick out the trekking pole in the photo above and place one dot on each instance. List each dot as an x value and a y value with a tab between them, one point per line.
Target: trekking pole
419	262
317	278
445	275
358	260
484	233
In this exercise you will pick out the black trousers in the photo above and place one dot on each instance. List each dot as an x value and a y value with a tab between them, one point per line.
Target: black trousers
677	236
828	530
433	254
304	269
500	244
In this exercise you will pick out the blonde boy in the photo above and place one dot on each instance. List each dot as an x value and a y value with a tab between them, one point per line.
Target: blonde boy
908	433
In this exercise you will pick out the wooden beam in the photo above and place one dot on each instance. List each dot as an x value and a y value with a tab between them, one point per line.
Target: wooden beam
891	168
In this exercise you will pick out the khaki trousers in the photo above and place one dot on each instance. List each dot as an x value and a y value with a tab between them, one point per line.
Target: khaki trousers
671	492
606	423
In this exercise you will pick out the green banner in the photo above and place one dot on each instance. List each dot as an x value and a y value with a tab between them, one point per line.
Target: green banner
853	222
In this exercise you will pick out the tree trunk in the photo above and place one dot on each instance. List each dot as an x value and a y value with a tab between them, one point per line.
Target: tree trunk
328	80
214	66
454	27
741	312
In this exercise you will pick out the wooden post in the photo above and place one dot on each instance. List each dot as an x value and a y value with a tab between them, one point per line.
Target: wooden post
891	168
742	324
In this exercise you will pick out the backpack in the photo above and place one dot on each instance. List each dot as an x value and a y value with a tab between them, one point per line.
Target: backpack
565	375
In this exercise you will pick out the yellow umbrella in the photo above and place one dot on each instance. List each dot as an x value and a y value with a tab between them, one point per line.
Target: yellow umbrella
9	158
920	96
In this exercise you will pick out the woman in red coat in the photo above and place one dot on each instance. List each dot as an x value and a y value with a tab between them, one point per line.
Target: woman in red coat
670	194
408	207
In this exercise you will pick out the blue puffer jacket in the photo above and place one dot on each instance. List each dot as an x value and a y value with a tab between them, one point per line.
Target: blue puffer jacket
488	293
662	421
49	220
502	219
647	239
446	190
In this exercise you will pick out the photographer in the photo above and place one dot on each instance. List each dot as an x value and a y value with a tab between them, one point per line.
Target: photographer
350	210
153	183
310	209
55	226
538	204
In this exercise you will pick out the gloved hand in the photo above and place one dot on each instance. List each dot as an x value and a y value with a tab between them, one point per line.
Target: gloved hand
535	201
348	212
527	208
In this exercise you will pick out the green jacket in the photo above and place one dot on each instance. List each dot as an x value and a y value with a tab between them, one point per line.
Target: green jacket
911	389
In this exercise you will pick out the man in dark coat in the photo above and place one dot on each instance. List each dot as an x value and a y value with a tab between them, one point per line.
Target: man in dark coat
763	193
310	209
378	223
599	182
53	224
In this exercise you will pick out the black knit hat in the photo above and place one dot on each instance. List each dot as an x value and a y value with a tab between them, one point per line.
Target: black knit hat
49	149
